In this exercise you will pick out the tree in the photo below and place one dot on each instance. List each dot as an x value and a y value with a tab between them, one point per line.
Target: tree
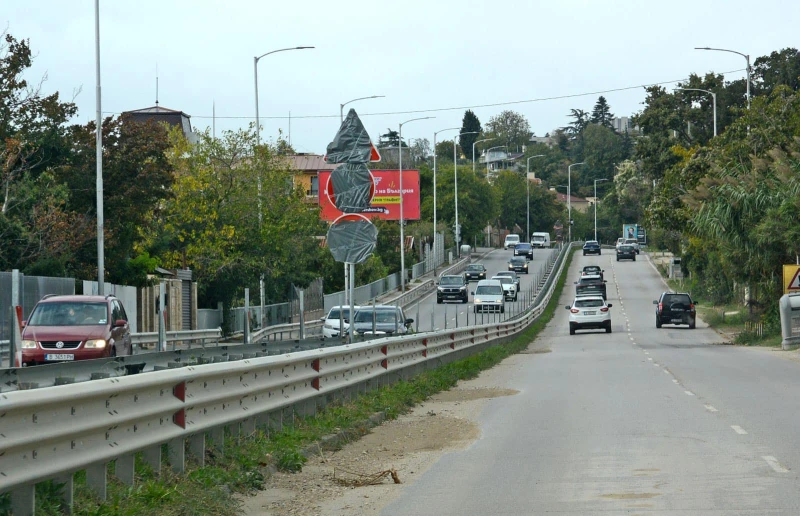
779	68
469	124
420	150
509	128
579	122
601	114
390	139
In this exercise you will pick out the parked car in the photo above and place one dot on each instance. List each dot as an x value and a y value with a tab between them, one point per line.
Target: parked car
523	249
489	296
475	271
511	241
589	312
590	285
511	274
626	252
68	328
591	247
331	327
632	242
675	308
518	264
540	240
509	287
381	319
452	287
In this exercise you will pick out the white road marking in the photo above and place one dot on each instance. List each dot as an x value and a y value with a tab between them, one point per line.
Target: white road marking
774	464
655	364
666	371
710	408
650	359
674	380
646	352
689	393
739	430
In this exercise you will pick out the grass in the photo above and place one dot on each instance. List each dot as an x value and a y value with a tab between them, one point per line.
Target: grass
246	461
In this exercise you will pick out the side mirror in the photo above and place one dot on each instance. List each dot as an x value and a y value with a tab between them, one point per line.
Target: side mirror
472	292
409	322
567	307
120	323
347	321
322	318
695	302
24	323
655	301
609	305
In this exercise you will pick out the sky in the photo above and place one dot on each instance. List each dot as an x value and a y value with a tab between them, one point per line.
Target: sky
428	58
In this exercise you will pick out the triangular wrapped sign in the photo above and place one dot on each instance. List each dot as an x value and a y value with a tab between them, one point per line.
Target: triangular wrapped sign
351	143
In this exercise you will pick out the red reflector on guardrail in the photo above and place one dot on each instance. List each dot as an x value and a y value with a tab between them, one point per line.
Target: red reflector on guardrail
179	418
179	391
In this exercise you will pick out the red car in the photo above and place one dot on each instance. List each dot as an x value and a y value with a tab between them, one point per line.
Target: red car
67	328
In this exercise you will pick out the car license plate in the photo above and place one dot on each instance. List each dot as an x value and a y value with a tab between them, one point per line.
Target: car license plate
677	321
59	356
589	313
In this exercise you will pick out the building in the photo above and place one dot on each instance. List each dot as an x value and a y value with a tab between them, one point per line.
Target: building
623	124
308	167
168	116
543	140
577	203
496	159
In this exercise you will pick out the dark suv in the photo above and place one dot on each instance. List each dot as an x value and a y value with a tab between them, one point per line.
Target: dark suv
590	285
591	247
524	249
452	287
675	308
67	328
475	271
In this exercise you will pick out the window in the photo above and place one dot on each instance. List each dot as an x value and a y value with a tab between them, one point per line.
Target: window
314	186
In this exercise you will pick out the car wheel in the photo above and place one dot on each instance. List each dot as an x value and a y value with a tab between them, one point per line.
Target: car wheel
634	258
617	258
608	327
658	322
438	301
572	331
692	324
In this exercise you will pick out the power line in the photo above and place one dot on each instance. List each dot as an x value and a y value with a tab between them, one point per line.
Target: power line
460	108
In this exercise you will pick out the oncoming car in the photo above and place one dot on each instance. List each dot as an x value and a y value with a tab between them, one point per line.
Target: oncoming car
452	287
333	325
518	264
489	297
69	328
589	312
475	271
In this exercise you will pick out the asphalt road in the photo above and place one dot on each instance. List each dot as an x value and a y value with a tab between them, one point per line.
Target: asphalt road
640	421
451	314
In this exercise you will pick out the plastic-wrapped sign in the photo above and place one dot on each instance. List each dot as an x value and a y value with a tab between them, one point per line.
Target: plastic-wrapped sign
352	187
352	238
351	144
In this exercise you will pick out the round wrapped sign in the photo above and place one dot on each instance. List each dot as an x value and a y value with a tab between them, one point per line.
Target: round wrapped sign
352	238
351	187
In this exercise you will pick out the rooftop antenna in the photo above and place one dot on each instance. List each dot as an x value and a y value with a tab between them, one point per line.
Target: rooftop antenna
156	84
214	120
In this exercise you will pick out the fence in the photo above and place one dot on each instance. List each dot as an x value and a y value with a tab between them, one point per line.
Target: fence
52	433
31	290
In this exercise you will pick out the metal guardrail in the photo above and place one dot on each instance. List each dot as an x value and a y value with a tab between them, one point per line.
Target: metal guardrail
174	337
52	433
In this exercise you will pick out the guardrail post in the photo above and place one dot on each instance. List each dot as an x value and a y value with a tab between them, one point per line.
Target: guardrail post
246	332
197	448
124	469
152	457
176	454
23	500
218	439
96	479
67	491
302	316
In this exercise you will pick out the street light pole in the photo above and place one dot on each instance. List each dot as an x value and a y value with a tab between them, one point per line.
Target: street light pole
402	235
99	172
713	98
473	150
341	106
435	249
595	205
569	197
528	185
455	182
747	59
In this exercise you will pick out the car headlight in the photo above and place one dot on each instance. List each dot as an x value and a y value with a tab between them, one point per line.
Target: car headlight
28	344
463	287
95	344
477	300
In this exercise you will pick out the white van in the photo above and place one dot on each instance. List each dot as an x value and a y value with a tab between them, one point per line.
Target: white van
511	241
489	296
540	240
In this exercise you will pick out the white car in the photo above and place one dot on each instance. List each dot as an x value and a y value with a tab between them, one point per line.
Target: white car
330	323
620	241
489	296
632	242
589	312
509	286
511	241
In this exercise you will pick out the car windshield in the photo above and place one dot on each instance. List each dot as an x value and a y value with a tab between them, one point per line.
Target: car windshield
334	313
588	303
451	280
512	238
489	290
381	316
626	248
476	268
69	313
517	260
590	279
537	238
504	280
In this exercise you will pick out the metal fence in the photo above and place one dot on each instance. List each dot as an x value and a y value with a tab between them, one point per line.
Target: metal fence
31	290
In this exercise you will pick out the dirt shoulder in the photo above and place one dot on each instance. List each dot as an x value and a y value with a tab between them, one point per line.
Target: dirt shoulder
410	445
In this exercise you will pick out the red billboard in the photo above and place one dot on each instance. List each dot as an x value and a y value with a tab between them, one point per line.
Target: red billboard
386	201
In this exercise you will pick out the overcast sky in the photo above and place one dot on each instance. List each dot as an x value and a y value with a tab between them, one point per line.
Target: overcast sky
424	56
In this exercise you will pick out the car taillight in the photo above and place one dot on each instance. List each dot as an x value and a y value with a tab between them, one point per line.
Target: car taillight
604	309
660	307
574	310
691	307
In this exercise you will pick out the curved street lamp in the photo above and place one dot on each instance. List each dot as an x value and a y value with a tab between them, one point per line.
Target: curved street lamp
341	106
747	59
528	185
713	98
402	235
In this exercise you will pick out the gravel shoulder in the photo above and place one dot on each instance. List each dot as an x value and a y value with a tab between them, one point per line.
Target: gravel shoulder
409	445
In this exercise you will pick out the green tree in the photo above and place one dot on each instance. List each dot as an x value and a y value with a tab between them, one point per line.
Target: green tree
778	68
469	124
579	122
509	128
601	113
